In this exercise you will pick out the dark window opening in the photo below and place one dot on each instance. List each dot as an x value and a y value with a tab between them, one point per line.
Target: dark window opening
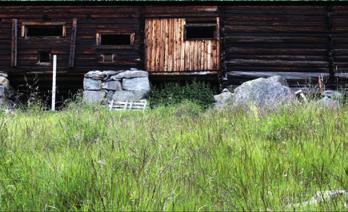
115	39
44	31
44	57
194	32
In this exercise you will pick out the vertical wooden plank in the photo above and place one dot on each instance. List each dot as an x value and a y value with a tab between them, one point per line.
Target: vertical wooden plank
188	54
205	56
14	40
166	46
176	45
153	59
197	55
182	45
73	43
160	45
217	43
149	45
173	44
157	32
214	56
170	45
191	55
209	55
162	56
146	44
186	50
196	58
192	58
202	55
154	29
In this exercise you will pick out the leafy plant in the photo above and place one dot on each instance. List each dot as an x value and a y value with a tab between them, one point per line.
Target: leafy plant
173	93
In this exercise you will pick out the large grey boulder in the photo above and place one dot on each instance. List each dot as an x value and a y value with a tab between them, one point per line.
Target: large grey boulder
3	74
112	85
109	73
130	74
3	91
96	75
136	84
109	95
263	93
4	82
93	97
223	98
127	96
279	79
92	84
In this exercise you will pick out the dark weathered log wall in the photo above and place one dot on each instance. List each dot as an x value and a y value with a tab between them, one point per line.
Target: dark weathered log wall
256	40
290	40
89	21
339	18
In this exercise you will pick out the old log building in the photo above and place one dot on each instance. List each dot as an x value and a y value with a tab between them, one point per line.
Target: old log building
230	43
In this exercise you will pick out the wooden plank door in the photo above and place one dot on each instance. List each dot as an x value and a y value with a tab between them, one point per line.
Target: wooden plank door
167	51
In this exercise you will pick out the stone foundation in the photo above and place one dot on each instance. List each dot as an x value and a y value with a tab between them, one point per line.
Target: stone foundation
100	87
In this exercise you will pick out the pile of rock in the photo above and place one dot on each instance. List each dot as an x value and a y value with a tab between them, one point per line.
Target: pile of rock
4	89
123	85
262	93
268	94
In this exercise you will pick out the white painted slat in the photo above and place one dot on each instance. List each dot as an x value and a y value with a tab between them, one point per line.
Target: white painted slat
132	105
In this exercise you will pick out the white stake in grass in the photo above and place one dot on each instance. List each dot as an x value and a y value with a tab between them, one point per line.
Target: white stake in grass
54	83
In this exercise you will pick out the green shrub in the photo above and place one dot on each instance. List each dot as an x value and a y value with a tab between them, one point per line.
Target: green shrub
196	92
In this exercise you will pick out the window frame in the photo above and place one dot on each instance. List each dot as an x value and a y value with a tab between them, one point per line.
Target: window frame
44	63
24	29
99	37
216	34
102	58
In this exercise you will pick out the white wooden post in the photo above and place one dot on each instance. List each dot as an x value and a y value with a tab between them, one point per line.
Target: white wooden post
54	83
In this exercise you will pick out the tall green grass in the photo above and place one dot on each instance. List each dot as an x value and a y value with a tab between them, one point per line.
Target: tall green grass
171	158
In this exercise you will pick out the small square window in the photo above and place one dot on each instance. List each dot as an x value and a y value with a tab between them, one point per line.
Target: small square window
200	31
44	57
108	39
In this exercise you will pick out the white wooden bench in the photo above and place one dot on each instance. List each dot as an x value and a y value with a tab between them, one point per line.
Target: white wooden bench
128	105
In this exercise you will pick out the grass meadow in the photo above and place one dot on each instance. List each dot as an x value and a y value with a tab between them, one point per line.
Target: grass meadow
178	157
